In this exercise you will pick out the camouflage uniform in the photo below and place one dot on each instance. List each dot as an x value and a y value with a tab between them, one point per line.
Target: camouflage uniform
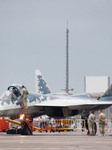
102	123
91	124
24	94
111	118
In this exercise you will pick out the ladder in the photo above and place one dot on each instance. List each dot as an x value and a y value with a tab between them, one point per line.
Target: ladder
27	117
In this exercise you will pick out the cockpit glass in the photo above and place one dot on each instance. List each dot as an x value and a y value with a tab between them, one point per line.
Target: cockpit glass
12	93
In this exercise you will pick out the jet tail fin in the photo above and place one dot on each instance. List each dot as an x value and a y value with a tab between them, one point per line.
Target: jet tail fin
41	85
108	92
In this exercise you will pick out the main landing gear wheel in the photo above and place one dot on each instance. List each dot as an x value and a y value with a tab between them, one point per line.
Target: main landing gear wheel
25	129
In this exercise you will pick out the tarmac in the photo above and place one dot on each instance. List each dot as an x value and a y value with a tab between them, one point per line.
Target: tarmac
73	140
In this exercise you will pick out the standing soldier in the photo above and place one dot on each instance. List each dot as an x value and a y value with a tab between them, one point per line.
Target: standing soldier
24	94
101	122
111	118
91	123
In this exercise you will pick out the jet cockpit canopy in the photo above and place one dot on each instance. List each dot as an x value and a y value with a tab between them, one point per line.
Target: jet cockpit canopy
12	92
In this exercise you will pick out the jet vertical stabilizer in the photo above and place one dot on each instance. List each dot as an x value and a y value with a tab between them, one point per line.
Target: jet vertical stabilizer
108	92
40	84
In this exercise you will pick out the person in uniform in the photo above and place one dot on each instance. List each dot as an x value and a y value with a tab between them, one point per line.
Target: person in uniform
13	94
91	123
101	122
111	119
24	94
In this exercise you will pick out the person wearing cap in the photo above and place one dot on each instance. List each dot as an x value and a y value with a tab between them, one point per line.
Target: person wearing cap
24	94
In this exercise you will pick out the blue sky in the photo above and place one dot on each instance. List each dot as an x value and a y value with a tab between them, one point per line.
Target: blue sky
33	36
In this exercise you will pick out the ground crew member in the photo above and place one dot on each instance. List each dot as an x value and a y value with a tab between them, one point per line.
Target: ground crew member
101	122
111	118
13	95
91	123
24	94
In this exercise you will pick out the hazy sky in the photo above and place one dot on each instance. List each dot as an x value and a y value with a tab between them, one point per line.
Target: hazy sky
33	36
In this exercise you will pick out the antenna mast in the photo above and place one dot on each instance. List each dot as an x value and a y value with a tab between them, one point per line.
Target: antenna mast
67	60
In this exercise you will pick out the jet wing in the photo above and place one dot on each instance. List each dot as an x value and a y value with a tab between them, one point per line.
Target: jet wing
73	103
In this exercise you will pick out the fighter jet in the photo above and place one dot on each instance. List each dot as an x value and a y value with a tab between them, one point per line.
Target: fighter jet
51	104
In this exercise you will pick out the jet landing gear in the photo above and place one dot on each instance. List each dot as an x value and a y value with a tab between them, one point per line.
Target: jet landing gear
25	129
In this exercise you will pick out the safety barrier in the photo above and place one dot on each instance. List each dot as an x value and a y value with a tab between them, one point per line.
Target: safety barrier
67	124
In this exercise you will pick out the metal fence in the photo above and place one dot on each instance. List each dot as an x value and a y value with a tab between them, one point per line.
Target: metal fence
67	124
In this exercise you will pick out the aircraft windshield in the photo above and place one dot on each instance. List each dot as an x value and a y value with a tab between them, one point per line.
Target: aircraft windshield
12	92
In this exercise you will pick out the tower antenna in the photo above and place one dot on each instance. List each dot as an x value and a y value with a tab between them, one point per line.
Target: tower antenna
67	60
